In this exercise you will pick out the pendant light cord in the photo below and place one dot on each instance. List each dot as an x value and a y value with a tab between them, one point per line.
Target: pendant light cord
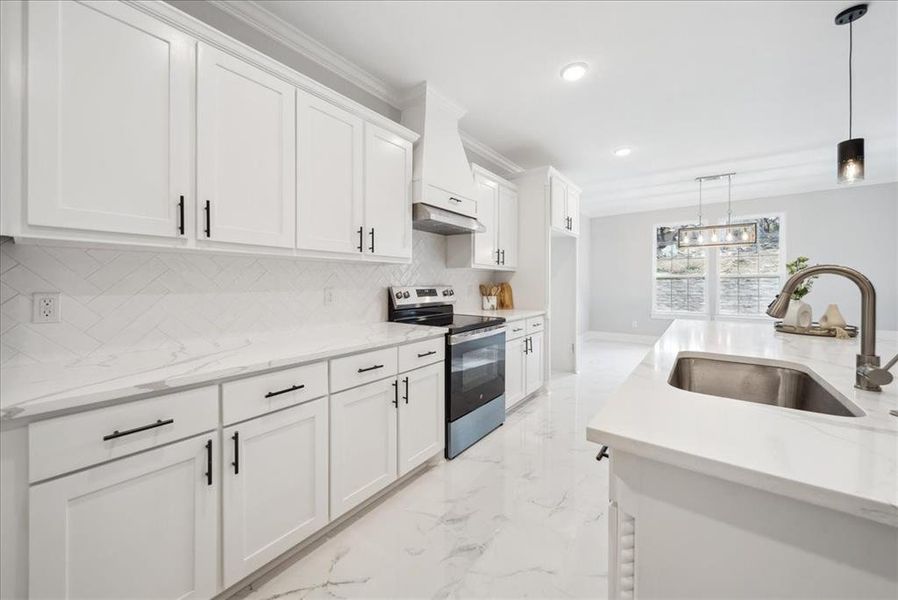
850	78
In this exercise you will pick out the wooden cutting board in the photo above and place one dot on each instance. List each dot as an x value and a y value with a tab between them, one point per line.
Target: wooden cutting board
505	299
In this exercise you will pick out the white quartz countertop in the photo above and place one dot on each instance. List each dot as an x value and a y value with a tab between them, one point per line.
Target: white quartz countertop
509	314
33	390
848	464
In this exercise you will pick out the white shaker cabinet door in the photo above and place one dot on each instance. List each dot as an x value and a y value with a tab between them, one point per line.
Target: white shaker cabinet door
485	242
363	443
535	368
139	527
246	153
388	194
421	421
558	192
515	371
508	227
329	173
274	485
109	119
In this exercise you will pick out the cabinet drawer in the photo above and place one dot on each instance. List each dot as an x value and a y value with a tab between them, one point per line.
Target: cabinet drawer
75	441
419	354
253	396
443	199
536	324
515	329
357	369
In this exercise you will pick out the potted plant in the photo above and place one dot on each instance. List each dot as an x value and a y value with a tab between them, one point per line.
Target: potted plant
799	313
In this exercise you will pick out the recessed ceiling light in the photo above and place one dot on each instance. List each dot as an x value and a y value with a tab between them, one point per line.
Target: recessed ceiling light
574	71
623	151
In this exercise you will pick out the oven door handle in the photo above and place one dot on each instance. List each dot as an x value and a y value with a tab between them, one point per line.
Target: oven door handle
469	336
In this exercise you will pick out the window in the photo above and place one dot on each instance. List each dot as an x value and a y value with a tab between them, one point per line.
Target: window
735	281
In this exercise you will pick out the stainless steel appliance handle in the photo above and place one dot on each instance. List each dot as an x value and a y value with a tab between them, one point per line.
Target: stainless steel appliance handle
477	334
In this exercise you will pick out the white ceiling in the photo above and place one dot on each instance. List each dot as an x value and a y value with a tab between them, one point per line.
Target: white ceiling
693	87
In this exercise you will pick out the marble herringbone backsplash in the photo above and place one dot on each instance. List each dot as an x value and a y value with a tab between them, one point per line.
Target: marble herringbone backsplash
114	300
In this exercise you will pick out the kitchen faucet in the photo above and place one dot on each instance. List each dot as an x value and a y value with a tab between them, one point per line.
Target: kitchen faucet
868	375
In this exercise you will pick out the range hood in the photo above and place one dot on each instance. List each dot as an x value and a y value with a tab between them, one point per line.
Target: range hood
443	184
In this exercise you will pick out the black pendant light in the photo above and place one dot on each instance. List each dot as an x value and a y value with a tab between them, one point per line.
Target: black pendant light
851	151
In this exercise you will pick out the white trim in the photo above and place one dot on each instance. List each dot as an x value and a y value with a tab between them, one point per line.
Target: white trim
614	336
480	149
287	34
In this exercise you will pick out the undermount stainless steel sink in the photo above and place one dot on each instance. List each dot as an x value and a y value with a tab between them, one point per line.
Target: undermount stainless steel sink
776	385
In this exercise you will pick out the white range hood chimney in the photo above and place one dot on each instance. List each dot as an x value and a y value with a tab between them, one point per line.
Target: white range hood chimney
444	200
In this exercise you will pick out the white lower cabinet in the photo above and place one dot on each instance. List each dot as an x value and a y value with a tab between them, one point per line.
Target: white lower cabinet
524	368
515	371
535	367
363	443
421	415
144	526
274	485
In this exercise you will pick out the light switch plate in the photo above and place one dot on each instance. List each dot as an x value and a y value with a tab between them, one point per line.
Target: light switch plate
46	307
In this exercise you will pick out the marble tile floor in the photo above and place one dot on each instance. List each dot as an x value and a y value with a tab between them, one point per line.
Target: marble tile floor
521	514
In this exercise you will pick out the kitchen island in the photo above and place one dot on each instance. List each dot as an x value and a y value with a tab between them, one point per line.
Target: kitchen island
716	497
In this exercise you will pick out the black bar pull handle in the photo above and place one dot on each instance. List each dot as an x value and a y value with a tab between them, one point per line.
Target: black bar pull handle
286	391
423	354
181	216
372	240
456	200
361	238
117	434
603	453
375	367
395	393
236	463
405	381
208	462
503	257
208	211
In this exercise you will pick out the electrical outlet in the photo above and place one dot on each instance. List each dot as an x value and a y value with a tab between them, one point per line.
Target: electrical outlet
46	307
328	296
635	324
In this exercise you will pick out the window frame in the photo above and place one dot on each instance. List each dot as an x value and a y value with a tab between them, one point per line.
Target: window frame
712	277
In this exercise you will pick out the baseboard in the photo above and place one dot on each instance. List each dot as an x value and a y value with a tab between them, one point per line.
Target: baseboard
613	336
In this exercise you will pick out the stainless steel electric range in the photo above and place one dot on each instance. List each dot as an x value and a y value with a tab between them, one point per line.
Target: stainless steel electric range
475	361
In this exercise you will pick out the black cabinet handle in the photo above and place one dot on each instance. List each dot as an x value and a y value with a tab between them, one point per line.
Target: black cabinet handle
603	453
455	199
181	216
395	393
208	210
423	354
497	258
117	434
503	257
405	381
208	462
516	329
236	463
361	236
289	389
372	239
366	369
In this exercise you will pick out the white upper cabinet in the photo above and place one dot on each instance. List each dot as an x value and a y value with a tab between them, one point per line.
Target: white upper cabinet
246	153
388	193
564	200
274	485
485	242
109	119
330	172
507	218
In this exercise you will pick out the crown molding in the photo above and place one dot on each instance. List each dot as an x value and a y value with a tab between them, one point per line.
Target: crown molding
280	30
760	177
482	150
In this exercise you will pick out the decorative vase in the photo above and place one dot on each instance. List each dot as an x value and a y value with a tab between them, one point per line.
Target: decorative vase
798	315
832	318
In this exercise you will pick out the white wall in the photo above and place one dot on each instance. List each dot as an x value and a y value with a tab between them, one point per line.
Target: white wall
584	277
853	226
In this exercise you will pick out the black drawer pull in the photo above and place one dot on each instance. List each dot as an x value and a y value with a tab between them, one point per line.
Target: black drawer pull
423	354
603	453
395	393
208	211
288	390
366	369
455	199
181	216
405	381
361	235
517	329
236	463
117	434
209	462
372	239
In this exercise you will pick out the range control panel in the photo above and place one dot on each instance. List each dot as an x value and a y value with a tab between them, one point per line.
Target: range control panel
421	295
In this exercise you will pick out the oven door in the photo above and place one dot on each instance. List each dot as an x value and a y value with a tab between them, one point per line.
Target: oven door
477	367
